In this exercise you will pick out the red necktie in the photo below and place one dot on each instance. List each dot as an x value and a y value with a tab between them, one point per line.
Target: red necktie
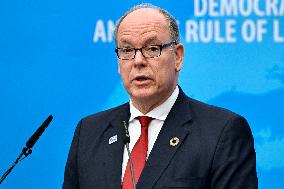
138	154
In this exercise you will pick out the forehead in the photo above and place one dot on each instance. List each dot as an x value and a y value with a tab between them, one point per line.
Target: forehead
144	24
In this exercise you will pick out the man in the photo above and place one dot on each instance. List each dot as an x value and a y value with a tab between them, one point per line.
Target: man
184	144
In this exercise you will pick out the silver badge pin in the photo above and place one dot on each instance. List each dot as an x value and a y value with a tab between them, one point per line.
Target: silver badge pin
112	139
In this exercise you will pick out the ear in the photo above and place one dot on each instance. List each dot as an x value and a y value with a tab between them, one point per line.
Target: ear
118	69
179	56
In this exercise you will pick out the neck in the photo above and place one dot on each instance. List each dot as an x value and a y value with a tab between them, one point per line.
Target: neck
147	105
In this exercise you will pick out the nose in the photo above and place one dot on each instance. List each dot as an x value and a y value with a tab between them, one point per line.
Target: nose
139	60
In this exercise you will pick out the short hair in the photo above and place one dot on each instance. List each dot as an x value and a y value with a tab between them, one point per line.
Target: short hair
172	23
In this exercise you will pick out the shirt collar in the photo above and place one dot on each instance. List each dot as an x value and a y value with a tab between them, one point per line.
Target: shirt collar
161	112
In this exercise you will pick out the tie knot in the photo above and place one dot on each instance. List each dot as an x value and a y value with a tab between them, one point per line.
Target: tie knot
144	120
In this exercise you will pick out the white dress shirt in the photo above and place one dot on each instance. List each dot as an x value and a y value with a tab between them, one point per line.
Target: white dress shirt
159	115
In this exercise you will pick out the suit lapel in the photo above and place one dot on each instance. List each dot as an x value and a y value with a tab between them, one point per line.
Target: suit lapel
162	152
113	139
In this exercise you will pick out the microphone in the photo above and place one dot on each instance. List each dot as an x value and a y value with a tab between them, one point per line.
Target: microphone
33	139
126	141
29	144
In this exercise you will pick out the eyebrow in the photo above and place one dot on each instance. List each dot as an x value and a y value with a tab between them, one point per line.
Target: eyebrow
125	42
154	40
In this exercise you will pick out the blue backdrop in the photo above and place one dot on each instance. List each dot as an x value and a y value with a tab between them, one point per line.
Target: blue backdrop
57	57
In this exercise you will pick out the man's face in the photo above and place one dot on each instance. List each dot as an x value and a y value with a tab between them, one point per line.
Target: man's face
148	79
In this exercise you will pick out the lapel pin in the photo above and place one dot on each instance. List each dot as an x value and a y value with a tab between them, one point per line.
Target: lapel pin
174	141
112	139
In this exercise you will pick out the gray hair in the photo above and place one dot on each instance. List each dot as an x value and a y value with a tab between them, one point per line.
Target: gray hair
172	23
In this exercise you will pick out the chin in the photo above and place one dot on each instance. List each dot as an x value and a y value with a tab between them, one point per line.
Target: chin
142	94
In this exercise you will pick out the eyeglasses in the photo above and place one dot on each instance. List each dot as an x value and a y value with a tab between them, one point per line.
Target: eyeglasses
149	51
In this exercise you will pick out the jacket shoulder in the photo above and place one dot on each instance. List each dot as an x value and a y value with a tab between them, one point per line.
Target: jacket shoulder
106	115
98	122
215	121
203	110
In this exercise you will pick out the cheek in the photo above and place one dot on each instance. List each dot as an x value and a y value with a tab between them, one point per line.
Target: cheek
165	72
161	75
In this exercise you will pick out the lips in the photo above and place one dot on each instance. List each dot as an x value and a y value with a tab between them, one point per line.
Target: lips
141	79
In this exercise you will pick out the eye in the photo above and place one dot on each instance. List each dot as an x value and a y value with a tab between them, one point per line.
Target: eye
126	50
153	49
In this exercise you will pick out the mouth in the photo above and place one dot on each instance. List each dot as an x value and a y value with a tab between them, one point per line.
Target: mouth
141	79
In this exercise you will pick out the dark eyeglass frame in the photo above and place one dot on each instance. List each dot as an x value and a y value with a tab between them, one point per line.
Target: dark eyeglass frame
161	47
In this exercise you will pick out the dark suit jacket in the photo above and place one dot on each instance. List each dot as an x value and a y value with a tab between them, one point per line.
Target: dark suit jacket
215	150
